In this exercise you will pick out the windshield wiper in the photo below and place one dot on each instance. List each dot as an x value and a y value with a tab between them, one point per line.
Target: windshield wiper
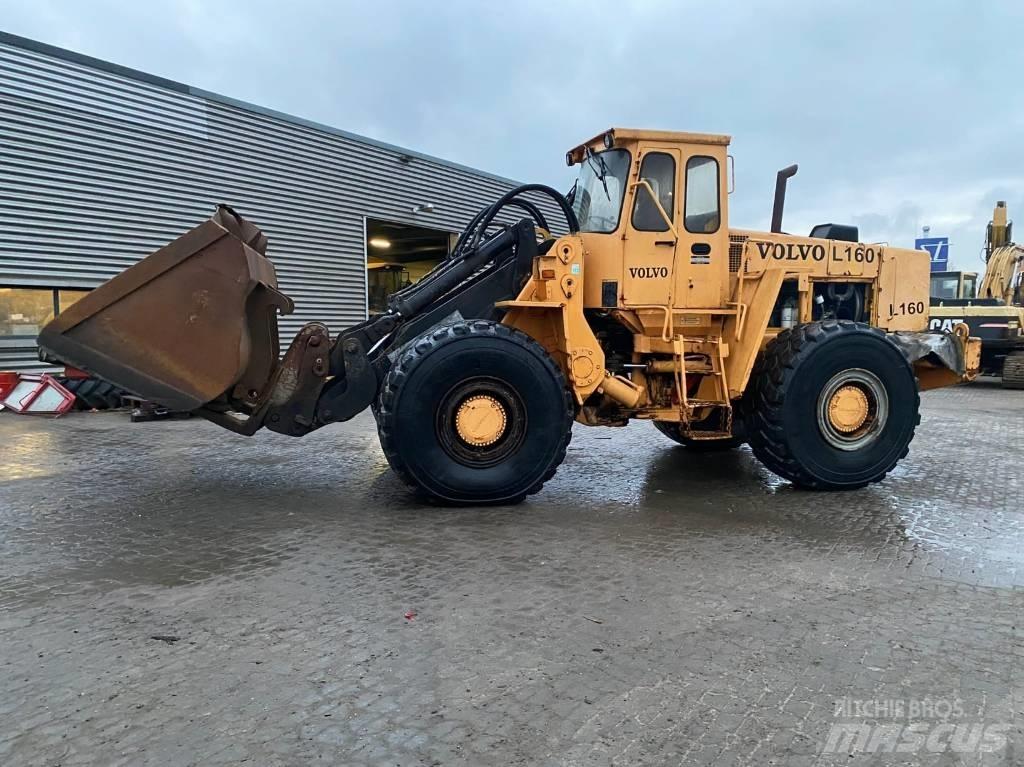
600	170
570	196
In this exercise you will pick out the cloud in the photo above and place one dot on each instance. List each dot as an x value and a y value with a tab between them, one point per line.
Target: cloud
898	118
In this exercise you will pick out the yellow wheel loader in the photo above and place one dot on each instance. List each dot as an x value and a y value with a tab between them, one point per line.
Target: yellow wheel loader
812	349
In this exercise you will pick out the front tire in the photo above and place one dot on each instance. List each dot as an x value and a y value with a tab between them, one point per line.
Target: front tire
834	405
475	413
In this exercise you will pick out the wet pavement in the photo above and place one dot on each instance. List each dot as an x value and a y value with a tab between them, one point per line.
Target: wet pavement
650	606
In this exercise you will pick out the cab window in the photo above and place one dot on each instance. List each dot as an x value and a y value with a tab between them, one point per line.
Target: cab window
600	190
659	170
703	215
945	286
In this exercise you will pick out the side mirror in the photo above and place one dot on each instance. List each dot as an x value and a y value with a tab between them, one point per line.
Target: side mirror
571	196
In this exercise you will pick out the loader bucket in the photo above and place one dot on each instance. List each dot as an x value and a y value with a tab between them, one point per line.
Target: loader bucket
194	322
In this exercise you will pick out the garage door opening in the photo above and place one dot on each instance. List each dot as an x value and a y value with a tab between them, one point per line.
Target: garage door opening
398	255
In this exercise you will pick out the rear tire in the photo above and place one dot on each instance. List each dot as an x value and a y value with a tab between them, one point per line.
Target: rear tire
1013	371
475	413
834	405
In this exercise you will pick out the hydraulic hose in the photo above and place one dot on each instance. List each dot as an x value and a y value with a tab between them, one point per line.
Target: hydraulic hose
516	202
532	209
501	202
474	249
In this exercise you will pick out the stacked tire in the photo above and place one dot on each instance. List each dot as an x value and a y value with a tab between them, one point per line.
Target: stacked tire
92	393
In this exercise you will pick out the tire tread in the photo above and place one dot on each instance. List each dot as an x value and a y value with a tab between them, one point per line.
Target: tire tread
92	393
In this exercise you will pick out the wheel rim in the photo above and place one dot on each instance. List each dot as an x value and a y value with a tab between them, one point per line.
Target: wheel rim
481	422
853	409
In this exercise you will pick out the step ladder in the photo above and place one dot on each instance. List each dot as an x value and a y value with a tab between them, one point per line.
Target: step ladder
717	425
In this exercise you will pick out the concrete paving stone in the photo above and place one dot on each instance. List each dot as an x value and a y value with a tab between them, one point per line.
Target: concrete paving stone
735	610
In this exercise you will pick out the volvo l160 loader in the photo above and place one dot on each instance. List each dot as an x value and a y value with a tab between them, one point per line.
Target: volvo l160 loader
812	349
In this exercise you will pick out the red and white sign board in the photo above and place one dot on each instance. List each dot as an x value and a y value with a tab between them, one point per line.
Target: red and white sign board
8	381
38	395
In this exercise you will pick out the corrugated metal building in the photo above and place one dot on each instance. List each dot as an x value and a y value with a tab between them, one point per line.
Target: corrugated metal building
100	165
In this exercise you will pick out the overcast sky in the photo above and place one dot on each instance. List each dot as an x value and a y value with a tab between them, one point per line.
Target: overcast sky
899	113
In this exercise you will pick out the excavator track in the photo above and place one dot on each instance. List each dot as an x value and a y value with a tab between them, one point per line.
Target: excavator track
1013	371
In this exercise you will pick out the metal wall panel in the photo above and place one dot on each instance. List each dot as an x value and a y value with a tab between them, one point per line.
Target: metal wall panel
100	165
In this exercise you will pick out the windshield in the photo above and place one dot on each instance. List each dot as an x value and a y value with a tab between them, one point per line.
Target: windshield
600	189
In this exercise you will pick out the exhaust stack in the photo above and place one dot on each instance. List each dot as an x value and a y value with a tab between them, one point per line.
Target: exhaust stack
780	196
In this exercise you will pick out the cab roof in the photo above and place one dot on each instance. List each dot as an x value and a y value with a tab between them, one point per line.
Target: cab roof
640	134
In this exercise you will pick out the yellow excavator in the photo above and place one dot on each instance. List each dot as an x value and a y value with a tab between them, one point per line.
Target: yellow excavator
995	311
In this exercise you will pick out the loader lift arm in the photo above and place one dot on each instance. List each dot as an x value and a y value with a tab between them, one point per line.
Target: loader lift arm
360	356
481	271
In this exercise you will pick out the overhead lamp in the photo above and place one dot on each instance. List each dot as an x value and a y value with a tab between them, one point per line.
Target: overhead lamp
380	242
426	207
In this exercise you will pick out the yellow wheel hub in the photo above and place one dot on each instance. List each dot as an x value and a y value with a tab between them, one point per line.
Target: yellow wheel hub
480	420
848	409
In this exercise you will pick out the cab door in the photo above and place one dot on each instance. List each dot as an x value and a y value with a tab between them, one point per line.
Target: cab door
650	240
702	275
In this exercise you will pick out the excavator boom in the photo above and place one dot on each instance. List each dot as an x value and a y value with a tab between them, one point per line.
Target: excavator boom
1003	274
1004	260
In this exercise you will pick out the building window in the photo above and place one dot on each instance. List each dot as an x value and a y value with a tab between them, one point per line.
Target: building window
67	297
703	215
659	170
24	311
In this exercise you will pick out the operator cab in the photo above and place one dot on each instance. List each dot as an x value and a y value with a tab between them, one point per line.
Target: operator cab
652	209
953	286
606	163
